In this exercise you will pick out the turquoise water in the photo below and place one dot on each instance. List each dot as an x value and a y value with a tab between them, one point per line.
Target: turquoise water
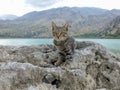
111	44
27	42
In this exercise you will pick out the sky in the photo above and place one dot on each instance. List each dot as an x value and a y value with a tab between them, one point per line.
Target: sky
21	7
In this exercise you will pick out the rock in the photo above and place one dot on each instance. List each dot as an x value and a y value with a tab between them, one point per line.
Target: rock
32	68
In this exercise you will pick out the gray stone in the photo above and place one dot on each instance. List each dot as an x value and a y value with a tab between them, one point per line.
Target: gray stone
32	68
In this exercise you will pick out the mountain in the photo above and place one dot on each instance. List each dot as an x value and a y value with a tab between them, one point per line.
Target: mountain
63	12
112	30
8	17
83	21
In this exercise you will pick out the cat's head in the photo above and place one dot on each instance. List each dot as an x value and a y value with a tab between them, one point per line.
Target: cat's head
60	33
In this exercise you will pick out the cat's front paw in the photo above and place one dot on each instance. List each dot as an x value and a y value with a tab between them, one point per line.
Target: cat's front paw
58	63
66	65
67	62
69	58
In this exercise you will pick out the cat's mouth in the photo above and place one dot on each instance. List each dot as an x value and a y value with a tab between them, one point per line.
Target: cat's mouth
60	39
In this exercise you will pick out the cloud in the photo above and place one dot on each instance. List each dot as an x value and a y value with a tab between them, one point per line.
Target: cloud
41	3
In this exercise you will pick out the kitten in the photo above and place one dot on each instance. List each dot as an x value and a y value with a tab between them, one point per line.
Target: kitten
64	43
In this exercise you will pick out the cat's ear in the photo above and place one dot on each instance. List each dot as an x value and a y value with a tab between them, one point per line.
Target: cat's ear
54	26
66	26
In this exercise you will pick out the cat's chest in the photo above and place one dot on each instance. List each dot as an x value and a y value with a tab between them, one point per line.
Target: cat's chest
60	44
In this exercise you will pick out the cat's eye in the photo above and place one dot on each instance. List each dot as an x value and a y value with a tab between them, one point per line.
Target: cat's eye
64	35
53	34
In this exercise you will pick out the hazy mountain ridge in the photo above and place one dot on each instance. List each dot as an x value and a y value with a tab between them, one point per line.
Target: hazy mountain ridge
8	17
38	23
112	30
85	11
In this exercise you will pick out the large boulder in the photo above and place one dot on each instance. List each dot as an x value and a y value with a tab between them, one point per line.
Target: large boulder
32	68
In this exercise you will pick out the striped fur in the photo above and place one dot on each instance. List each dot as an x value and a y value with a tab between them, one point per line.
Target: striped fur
63	42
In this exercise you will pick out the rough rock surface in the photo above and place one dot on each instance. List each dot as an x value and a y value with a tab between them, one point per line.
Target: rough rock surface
32	68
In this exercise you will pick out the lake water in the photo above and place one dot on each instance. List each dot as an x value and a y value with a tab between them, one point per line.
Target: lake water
111	44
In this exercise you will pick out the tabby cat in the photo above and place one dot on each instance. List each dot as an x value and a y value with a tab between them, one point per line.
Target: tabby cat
64	43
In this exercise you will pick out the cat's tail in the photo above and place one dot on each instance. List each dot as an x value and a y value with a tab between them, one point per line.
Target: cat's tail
83	44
